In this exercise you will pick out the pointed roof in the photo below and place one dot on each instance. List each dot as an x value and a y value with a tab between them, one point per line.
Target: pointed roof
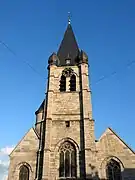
41	107
31	135
68	48
110	130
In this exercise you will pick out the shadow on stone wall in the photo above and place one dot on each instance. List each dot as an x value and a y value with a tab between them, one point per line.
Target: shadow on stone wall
127	174
82	139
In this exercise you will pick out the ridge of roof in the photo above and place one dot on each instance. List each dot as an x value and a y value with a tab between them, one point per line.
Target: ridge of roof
118	138
23	139
121	140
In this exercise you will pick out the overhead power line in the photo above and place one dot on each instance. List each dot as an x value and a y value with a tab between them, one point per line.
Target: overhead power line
23	60
113	73
32	68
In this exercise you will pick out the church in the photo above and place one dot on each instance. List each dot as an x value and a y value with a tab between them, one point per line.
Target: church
62	144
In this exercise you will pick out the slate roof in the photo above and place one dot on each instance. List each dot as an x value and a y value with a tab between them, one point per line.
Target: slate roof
68	48
41	107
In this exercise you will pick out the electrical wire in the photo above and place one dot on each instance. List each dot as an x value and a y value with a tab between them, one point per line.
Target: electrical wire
113	73
23	60
32	68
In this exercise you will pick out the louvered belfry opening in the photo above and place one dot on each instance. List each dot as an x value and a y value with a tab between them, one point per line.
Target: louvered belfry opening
67	165
113	170
63	83
73	83
24	173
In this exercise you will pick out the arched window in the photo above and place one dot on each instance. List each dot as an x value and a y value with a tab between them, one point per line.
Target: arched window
24	173
67	167
73	83
63	83
113	170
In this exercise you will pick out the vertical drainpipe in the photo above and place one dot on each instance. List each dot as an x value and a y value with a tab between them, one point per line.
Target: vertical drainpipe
82	136
40	153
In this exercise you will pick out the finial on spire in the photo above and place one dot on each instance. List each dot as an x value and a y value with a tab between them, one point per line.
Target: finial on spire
69	19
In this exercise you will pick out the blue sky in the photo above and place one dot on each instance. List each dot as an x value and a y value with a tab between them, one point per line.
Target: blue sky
34	29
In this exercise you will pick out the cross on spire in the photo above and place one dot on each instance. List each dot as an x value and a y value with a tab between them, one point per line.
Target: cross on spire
68	47
69	18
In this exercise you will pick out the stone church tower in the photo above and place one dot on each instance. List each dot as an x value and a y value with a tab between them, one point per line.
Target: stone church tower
62	144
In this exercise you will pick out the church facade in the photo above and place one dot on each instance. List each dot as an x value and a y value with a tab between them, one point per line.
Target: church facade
62	144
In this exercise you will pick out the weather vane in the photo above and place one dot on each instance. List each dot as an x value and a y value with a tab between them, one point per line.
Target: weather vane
69	19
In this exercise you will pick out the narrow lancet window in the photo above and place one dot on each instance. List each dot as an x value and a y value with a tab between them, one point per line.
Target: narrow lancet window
73	83
113	170
67	163
61	164
24	173
63	83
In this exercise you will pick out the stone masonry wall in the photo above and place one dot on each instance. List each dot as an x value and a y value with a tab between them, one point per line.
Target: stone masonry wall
25	153
66	106
110	146
62	107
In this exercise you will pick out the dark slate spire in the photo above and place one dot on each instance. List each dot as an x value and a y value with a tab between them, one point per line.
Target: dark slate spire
68	49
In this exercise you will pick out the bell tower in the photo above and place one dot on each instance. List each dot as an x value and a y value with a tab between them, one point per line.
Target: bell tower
67	129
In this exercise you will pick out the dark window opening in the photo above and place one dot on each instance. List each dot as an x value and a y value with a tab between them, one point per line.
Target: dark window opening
67	164
63	83
73	83
67	123
61	170
24	173
113	170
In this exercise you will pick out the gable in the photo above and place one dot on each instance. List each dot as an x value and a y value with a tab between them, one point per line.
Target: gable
29	143
112	143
